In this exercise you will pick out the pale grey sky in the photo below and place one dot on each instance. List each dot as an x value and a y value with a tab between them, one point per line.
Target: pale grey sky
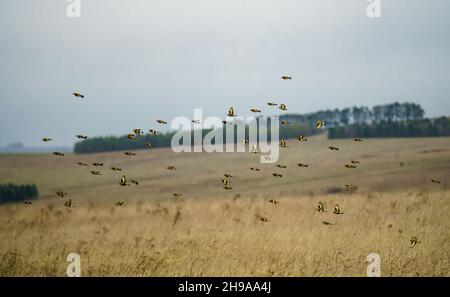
140	60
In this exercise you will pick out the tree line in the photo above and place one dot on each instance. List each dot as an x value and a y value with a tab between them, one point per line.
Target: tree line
17	193
114	143
389	120
415	128
393	112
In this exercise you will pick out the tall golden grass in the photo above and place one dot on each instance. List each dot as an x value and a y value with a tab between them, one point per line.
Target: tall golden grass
204	237
214	232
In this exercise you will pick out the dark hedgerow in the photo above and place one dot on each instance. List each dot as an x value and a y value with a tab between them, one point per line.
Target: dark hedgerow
17	193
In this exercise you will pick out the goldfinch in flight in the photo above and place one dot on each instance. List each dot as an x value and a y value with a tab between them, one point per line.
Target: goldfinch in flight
320	207
78	95
68	203
320	124
161	122
283	107
337	210
231	112
61	194
413	241
46	139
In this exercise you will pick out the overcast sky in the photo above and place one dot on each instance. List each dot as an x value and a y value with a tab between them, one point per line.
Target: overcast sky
137	61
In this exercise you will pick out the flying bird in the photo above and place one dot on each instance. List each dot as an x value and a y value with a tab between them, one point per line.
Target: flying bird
153	132
281	166
134	182
282	107
350	166
94	172
171	167
354	161
337	210
123	181
161	122
131	136
46	139
333	148
69	203
320	207
413	241
82	164
61	194
28	202
137	131
273	201
119	203
254	169
302	138
357	139
58	154
81	137
320	124
436	181
303	165
326	223
228	187
255	110
129	154
196	121
272	104
97	164
283	143
286	77
149	145
227	175
78	95
285	123
115	168
263	219
277	174
177	195
231	112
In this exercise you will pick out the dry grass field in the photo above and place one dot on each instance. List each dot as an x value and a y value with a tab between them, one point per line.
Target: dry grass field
215	232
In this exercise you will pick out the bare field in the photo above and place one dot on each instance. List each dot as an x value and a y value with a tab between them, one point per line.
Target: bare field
214	232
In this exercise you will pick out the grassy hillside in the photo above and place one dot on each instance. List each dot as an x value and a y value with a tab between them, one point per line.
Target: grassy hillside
212	231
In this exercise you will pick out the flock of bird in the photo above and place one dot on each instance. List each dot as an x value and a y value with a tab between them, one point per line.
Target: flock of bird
226	180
